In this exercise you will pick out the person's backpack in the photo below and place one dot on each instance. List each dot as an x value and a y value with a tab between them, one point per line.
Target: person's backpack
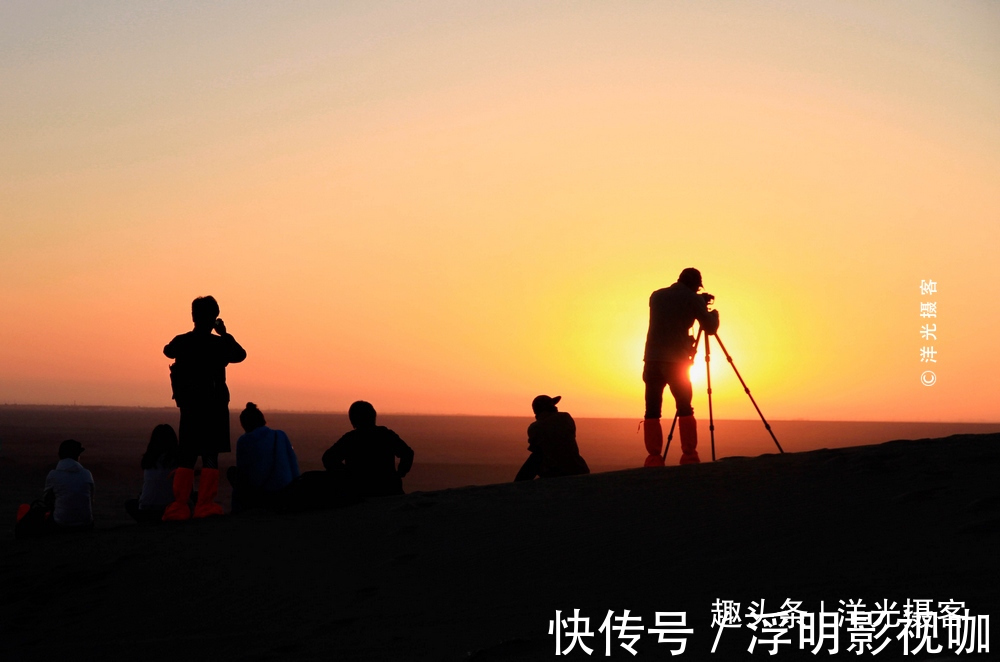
190	385
178	384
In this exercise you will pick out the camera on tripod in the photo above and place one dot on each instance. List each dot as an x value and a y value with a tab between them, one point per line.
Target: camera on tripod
709	298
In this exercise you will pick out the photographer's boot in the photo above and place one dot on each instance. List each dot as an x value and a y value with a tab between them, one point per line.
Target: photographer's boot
183	483
207	490
652	435
689	439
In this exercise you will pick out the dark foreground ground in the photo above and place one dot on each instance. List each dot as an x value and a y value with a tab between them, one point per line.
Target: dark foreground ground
478	573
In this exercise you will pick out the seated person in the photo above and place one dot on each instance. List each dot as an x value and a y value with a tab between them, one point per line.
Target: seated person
552	443
265	462
69	490
367	455
158	464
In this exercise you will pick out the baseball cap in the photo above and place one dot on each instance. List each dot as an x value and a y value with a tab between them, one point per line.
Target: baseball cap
544	403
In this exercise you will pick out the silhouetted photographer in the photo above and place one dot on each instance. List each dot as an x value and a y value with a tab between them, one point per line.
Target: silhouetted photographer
669	354
198	379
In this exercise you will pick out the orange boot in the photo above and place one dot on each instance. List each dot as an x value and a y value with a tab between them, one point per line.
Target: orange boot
652	435
207	490
689	439
179	509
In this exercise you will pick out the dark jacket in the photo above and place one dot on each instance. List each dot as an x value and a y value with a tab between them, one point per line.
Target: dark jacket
369	456
198	375
552	444
672	312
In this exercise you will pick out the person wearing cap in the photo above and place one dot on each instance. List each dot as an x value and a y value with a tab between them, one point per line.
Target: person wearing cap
69	489
198	379
668	358
366	456
551	443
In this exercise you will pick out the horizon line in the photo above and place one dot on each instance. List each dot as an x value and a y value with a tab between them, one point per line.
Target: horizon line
403	413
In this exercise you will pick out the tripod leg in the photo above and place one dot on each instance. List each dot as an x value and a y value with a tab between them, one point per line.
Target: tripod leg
746	389
669	437
708	377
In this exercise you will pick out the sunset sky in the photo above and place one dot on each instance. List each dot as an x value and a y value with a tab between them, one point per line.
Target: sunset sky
453	207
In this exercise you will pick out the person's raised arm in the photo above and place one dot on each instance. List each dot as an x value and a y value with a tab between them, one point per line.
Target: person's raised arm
234	352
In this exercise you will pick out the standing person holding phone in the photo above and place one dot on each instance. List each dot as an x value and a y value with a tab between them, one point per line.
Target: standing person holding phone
198	379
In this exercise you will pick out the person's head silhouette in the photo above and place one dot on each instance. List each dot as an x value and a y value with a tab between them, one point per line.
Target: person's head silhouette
162	446
252	418
691	277
162	440
362	415
70	449
204	311
544	404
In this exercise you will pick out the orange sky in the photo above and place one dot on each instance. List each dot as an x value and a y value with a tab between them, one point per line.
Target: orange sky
447	208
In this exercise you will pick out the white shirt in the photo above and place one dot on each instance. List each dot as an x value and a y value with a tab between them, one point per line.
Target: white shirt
73	488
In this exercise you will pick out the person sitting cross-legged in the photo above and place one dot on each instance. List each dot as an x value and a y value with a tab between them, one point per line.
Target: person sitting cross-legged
366	456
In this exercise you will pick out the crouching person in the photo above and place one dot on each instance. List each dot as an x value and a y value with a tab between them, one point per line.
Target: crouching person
551	443
265	463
